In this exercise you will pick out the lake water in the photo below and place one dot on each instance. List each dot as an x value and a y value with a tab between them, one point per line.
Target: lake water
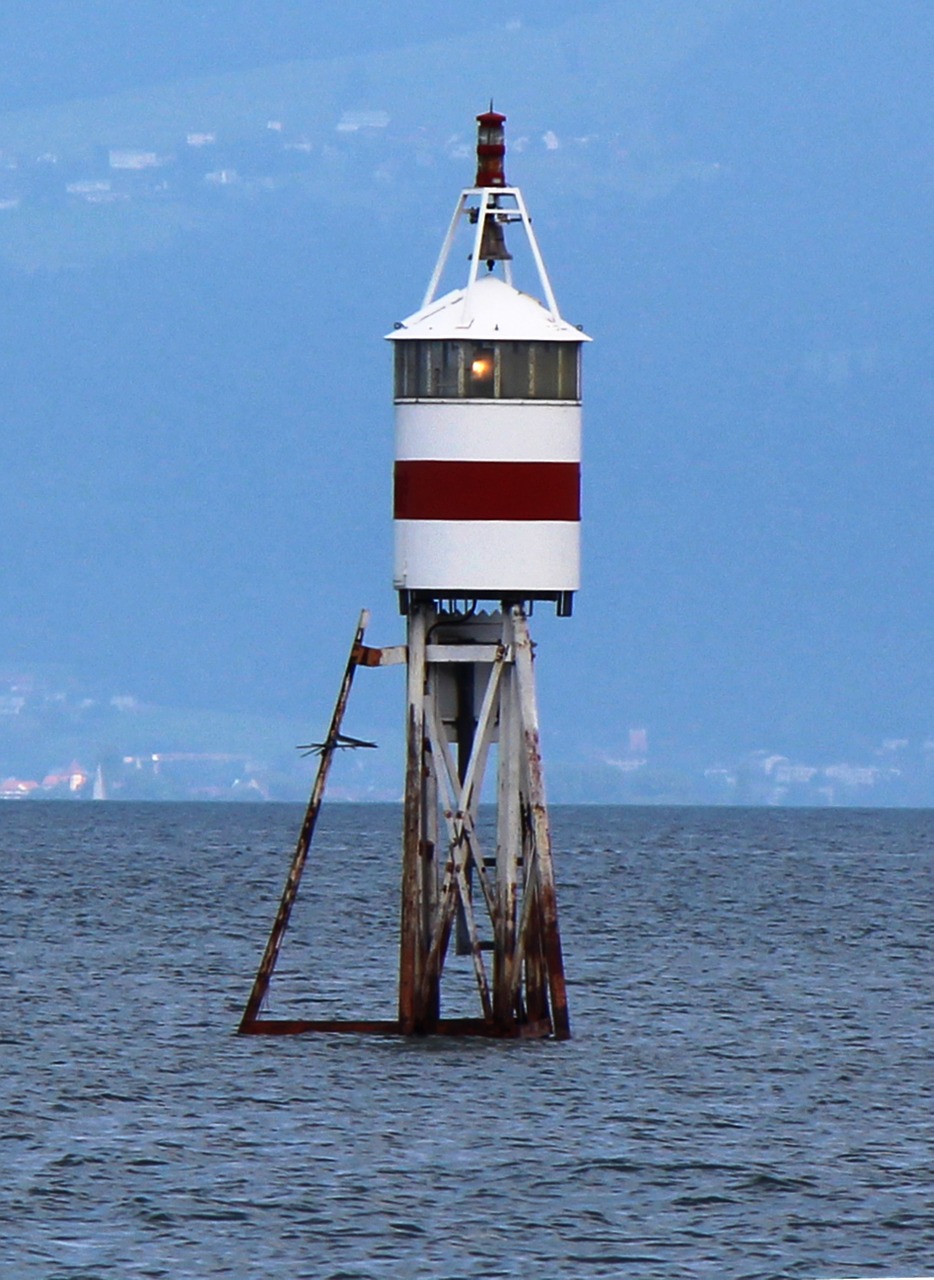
749	1091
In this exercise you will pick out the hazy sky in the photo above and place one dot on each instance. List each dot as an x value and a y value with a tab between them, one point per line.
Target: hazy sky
733	197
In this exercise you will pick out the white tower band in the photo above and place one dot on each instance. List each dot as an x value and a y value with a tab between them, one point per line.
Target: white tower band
486	505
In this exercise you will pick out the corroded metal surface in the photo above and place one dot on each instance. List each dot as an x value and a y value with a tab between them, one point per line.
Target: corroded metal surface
289	893
374	1027
526	985
413	1006
449	737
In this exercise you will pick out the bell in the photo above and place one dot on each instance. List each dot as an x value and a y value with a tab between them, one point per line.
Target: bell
493	243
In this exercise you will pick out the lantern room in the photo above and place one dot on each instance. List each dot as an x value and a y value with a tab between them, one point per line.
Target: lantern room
460	370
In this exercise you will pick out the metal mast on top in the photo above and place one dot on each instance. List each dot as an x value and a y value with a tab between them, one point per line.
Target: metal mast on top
490	205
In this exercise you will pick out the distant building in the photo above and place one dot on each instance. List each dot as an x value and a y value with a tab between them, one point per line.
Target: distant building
72	779
797	773
853	775
129	159
352	121
88	187
16	788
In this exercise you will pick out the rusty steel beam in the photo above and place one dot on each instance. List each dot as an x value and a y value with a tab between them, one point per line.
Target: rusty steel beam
547	902
443	1027
289	893
415	1002
507	1001
444	919
391	656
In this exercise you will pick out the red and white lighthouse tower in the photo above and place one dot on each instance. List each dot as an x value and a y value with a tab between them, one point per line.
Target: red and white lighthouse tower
488	418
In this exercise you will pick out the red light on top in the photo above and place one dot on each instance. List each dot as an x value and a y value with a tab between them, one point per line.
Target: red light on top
491	149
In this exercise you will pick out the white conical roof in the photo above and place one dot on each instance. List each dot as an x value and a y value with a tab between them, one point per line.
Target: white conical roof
489	310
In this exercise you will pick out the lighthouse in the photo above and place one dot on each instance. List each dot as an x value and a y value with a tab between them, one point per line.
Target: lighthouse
486	514
486	500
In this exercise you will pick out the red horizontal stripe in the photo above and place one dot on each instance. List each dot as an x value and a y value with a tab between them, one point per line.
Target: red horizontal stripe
426	489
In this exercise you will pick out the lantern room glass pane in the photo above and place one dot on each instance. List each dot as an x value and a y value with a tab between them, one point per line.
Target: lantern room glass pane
544	370
514	370
445	370
569	371
406	357
440	381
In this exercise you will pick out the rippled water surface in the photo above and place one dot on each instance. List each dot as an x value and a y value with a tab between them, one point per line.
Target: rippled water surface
748	1092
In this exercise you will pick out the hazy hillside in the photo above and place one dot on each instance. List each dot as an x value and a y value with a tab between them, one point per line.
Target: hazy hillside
733	198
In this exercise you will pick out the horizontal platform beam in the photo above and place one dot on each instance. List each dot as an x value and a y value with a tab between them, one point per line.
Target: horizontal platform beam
395	655
466	653
445	1027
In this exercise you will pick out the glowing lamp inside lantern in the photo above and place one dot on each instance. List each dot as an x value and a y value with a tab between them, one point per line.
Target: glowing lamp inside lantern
481	366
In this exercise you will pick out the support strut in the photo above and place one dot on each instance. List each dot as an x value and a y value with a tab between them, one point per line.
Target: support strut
289	893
